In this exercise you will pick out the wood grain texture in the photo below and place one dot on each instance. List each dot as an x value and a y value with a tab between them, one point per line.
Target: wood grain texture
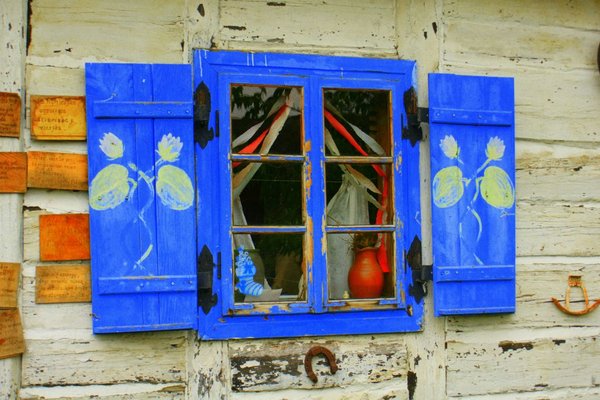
77	357
49	170
136	391
64	237
10	114
279	365
9	284
57	117
13	172
136	31
63	284
312	24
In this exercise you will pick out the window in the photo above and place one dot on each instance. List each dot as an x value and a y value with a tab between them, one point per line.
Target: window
279	195
311	167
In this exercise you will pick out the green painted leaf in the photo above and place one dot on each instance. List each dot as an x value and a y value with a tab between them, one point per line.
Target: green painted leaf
174	188
109	187
496	188
448	187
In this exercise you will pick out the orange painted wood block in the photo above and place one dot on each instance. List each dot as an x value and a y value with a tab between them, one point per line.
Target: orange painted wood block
12	342
10	114
9	283
64	237
13	172
62	284
56	170
58	117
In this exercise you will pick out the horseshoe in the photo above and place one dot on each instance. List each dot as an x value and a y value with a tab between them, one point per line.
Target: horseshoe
316	350
575	281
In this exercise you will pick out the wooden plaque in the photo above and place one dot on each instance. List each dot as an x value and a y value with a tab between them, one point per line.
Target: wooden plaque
62	284
12	342
13	172
9	283
10	114
58	118
56	170
64	237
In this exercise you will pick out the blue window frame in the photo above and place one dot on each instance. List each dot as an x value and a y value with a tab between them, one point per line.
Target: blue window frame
226	197
316	82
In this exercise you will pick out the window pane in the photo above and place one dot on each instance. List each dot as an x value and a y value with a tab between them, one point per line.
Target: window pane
357	122
354	267
359	194
267	193
266	119
268	267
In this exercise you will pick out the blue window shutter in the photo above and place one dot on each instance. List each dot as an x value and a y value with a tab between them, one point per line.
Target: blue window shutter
472	136
142	196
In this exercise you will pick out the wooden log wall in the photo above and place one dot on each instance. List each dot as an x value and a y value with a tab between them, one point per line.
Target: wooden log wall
537	353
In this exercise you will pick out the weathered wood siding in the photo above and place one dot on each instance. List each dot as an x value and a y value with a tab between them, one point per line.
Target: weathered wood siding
537	353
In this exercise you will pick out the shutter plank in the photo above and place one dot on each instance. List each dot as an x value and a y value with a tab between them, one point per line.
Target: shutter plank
473	211
132	260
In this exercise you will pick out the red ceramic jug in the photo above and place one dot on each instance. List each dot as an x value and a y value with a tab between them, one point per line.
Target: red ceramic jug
365	278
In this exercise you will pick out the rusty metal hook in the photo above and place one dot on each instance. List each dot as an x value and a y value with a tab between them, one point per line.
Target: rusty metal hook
316	350
575	281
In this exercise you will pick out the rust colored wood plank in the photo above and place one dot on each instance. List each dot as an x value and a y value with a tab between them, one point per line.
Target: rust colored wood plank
13	172
12	342
9	283
62	284
10	114
64	237
57	170
58	118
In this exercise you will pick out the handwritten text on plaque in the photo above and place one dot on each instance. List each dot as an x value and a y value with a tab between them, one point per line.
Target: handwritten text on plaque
10	114
58	118
12	342
13	172
62	284
64	237
9	283
56	170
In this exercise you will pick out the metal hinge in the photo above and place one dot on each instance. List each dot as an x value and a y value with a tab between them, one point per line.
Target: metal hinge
421	274
415	115
205	270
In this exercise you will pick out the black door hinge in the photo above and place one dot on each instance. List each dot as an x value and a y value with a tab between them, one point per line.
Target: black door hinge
421	274
205	271
415	115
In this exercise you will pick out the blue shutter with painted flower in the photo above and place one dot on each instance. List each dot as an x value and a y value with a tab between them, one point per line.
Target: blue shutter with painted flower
473	191
142	196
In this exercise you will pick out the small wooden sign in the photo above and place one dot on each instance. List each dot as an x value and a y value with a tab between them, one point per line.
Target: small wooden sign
57	170
62	284
58	118
64	237
12	342
9	283
13	172
10	114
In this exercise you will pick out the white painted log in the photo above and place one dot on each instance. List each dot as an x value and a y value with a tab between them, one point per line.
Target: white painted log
135	391
576	14
311	23
538	279
77	357
138	31
279	364
558	229
488	365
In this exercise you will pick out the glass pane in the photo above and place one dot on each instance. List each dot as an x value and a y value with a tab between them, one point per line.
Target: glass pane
357	122
358	194
267	193
266	119
268	267
354	265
